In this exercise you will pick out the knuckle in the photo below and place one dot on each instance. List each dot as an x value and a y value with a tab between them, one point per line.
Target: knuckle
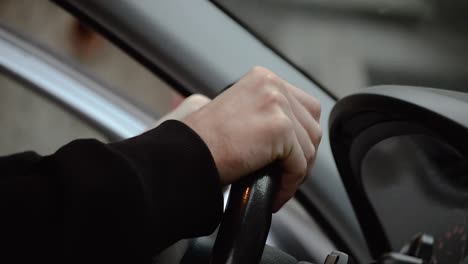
272	82
317	107
274	97
259	71
318	136
310	156
266	77
272	79
282	124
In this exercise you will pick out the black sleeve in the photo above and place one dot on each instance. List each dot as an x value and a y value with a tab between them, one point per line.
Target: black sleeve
109	203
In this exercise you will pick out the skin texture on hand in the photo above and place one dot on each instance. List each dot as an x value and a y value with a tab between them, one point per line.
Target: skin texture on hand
188	106
261	119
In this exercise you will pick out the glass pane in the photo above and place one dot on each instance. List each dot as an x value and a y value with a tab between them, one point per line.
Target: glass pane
418	184
53	28
30	122
349	45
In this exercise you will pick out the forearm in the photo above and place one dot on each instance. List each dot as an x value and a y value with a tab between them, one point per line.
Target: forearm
123	201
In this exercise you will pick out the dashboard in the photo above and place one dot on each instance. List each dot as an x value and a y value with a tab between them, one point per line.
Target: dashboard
418	185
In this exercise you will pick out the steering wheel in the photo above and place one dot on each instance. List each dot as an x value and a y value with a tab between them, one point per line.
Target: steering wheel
244	229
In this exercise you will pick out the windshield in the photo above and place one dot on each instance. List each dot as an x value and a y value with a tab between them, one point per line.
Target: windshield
349	45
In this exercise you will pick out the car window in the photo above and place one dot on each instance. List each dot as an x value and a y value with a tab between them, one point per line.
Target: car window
46	24
28	121
353	44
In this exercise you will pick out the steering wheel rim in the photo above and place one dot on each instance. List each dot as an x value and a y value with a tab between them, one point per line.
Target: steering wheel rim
246	222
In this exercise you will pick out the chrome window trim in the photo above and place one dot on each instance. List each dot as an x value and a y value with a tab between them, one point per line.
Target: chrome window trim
57	80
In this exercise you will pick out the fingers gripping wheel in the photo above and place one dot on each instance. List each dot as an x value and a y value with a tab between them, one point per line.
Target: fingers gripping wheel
246	222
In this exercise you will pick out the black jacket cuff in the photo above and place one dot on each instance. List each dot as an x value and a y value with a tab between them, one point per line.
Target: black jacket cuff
180	174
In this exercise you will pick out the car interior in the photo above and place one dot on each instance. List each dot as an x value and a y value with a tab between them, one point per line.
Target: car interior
390	181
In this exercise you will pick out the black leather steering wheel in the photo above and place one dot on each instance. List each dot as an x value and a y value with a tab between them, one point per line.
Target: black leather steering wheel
246	221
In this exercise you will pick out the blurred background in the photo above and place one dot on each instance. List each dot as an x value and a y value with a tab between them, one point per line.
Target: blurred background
345	45
348	45
30	122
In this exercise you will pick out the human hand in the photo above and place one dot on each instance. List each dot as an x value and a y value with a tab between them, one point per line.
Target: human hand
261	119
188	106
